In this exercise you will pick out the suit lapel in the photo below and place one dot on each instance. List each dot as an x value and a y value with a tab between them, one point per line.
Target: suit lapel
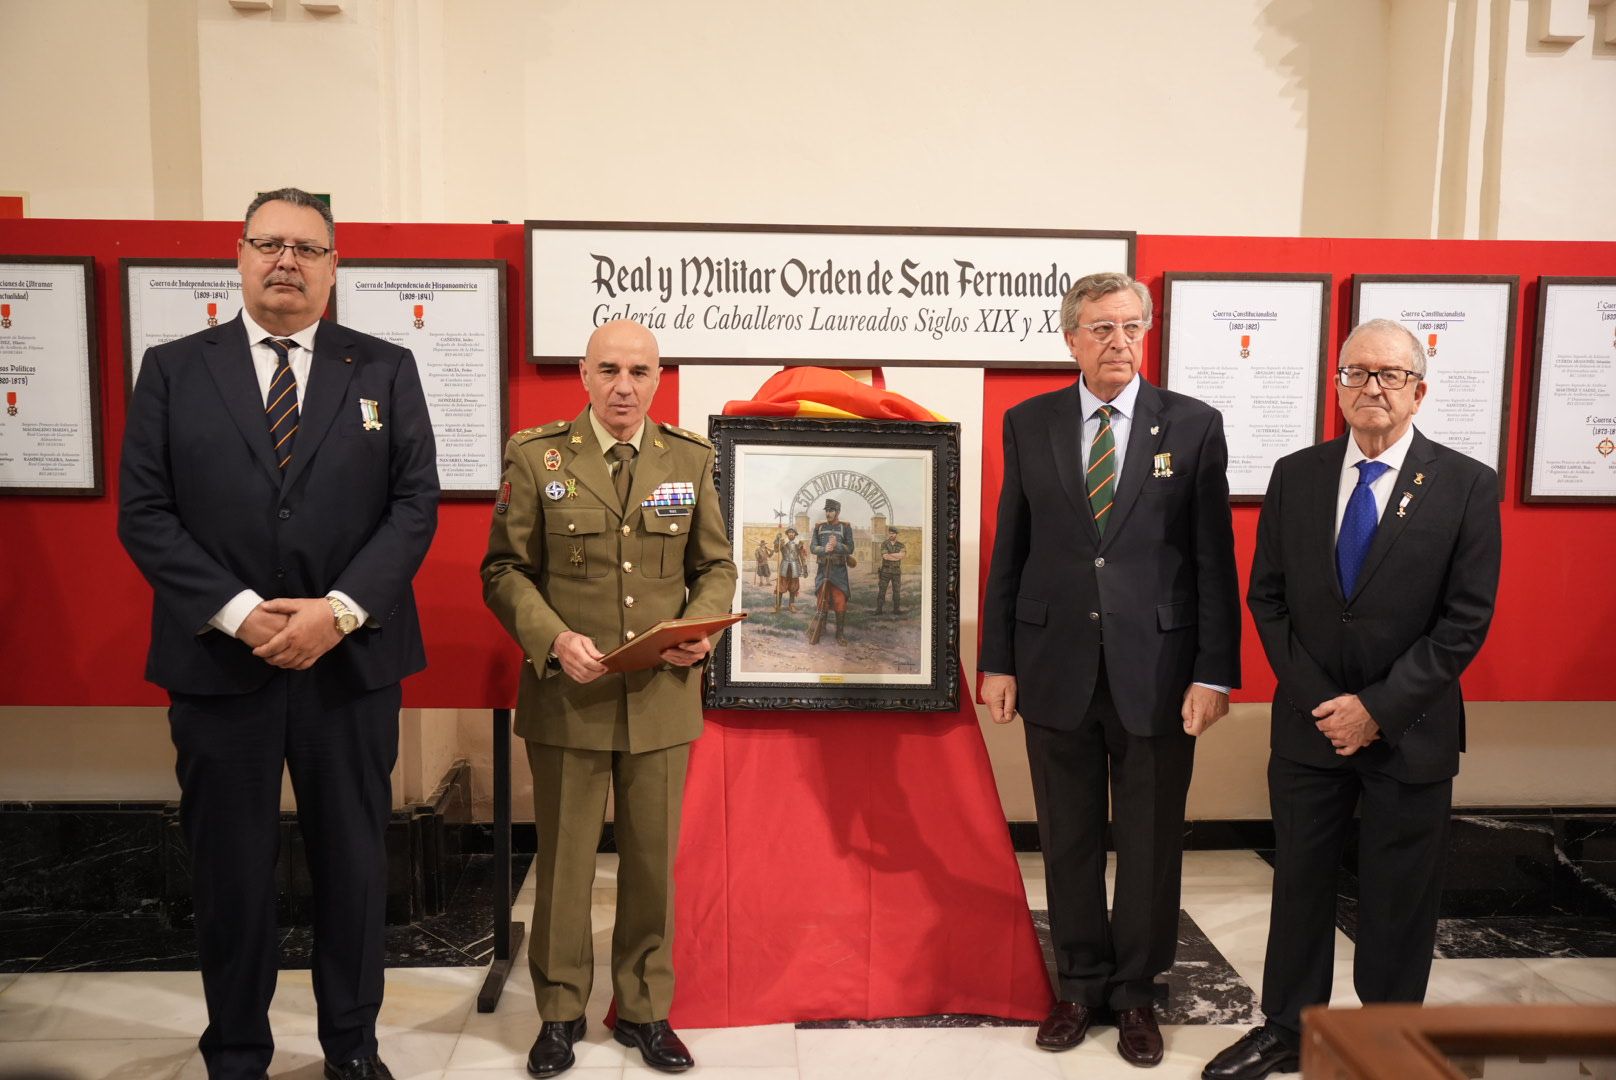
1142	443
1392	523
1066	446
587	460
1323	489
229	361
329	375
653	466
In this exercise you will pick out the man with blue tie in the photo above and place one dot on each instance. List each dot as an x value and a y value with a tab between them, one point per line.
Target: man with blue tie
1372	589
279	489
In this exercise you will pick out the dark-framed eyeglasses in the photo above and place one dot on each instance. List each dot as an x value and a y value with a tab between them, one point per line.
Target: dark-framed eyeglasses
1104	331
271	248
1389	378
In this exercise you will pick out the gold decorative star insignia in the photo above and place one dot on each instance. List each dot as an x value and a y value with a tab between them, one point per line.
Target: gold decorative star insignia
576	439
658	444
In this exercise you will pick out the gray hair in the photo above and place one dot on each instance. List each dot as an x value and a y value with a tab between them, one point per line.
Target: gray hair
1095	286
1392	328
297	197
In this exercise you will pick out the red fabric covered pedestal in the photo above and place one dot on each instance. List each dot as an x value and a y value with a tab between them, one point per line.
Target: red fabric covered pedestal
848	866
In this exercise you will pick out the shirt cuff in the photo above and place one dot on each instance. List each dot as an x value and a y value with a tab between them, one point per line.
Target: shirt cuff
233	614
348	602
1224	690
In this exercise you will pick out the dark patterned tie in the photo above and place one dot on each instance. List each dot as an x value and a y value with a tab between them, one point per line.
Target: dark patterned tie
623	474
1102	474
1358	526
281	412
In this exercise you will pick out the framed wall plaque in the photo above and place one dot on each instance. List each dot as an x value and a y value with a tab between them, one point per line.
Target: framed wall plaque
451	314
167	299
1253	347
1571	425
859	610
1466	327
50	382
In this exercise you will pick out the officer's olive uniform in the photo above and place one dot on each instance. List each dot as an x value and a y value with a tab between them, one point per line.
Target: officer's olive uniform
563	555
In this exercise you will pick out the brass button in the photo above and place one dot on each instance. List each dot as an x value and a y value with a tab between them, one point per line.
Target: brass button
1094	616
572	526
673	527
628	635
626	530
628	568
628	601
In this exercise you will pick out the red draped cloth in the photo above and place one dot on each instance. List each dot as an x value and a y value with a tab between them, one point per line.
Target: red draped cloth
848	866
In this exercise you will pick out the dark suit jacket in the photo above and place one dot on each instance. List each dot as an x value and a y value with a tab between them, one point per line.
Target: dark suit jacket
1421	608
1161	585
205	513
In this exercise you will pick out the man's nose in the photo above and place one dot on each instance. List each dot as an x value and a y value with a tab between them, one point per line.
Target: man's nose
286	259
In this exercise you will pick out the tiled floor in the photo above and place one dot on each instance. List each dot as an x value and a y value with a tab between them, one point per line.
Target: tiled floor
67	1025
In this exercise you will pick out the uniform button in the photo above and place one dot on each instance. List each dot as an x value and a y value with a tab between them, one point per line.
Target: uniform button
285	513
628	568
572	526
673	527
628	635
626	530
1346	616
1099	562
527	660
628	601
1094	616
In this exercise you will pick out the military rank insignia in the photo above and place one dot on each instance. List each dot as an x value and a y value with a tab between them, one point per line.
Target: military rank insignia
673	499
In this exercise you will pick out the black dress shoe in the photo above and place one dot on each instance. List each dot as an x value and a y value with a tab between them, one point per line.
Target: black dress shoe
1139	1040
658	1043
552	1050
1065	1026
1259	1052
365	1068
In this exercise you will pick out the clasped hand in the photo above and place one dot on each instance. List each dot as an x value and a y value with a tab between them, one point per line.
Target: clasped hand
1347	724
290	633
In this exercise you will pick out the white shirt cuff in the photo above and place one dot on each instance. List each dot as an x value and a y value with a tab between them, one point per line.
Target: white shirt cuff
233	614
1224	690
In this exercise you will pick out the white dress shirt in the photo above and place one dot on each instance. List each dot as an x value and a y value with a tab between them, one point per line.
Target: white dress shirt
1382	488
300	358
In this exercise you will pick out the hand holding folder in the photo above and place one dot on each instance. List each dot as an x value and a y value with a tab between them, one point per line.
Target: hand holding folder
645	651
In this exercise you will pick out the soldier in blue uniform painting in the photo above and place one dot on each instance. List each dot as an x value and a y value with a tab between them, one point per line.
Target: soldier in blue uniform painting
832	545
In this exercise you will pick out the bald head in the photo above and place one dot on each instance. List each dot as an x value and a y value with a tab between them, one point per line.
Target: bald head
620	369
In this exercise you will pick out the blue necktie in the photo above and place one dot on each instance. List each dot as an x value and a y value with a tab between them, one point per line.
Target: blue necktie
1357	526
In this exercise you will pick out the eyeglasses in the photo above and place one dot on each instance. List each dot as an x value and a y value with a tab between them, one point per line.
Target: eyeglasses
271	248
1389	378
1102	331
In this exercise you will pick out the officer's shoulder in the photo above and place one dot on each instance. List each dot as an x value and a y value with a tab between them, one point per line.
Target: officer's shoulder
543	431
689	436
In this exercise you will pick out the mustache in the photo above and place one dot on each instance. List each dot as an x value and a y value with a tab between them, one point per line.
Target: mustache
280	277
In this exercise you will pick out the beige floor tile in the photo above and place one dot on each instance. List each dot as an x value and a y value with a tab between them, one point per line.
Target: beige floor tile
97	1059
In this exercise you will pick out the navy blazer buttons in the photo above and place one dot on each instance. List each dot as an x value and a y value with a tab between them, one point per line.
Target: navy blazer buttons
285	513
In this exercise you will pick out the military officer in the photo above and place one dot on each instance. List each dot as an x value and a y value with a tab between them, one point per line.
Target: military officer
604	526
890	573
832	546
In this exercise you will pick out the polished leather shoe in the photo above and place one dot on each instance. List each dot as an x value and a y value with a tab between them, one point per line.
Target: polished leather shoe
1139	1040
552	1050
1065	1026
365	1068
1260	1051
658	1044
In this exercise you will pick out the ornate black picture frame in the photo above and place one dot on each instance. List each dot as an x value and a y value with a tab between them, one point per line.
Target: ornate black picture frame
895	643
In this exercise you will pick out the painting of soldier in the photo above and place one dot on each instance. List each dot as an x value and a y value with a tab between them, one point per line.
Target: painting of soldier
833	558
761	556
889	573
793	555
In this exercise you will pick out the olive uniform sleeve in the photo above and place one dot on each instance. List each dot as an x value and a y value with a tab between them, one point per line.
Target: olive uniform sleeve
513	563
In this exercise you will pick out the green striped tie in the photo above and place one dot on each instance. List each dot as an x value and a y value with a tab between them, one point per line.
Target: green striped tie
1102	474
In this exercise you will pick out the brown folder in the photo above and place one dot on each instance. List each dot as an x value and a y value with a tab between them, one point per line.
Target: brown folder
645	651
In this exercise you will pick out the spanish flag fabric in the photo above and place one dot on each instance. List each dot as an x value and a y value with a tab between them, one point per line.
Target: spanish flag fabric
828	394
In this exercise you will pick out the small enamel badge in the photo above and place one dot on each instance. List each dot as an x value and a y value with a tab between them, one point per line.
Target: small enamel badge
552	459
1419	478
1155	429
572	488
1402	506
370	414
503	503
553	490
1163	466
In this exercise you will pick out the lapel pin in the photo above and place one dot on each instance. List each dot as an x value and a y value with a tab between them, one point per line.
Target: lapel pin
1155	429
552	459
576	439
347	359
572	488
1402	507
1419	478
658	444
1163	466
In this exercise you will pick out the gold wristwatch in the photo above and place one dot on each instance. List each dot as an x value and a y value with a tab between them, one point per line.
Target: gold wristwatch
347	621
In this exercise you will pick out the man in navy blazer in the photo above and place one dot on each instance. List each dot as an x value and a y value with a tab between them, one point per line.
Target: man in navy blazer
279	489
1112	622
1372	589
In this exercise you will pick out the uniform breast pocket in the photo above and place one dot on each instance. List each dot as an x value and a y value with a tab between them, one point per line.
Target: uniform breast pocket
664	538
576	543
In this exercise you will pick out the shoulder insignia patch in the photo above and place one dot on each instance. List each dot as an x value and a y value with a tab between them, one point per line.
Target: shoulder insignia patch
690	435
540	432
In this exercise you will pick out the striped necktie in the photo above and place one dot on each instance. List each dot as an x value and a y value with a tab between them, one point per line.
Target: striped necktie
1102	474
281	412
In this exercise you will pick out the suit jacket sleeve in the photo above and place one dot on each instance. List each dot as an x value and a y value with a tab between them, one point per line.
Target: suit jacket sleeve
185	578
1435	661
1299	674
510	579
1217	583
379	574
1011	543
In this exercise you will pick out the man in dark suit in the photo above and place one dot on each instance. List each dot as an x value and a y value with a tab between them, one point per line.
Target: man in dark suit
278	489
1112	621
1372	588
